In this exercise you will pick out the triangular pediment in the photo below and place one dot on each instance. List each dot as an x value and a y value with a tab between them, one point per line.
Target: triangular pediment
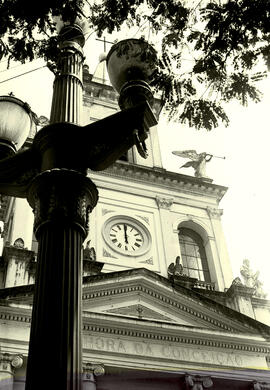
140	311
141	294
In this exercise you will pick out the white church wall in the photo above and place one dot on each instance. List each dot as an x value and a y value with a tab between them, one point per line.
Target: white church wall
23	223
132	209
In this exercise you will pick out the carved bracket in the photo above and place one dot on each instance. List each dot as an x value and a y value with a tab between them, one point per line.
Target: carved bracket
164	203
260	386
197	382
214	213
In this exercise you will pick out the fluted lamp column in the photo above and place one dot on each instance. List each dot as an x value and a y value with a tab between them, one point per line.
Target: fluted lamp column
68	86
62	197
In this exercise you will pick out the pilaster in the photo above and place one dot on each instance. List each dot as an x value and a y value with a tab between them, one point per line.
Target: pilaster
241	296
90	373
223	266
164	205
8	364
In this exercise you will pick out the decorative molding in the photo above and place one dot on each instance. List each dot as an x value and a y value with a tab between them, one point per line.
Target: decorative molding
106	211
151	335
15	317
148	261
174	339
145	219
164	203
107	254
214	213
51	199
147	334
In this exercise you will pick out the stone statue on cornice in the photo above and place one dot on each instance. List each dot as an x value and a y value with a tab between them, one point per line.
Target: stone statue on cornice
175	269
251	279
89	252
198	162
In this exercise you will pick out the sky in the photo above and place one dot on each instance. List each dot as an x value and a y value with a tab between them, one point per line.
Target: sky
244	144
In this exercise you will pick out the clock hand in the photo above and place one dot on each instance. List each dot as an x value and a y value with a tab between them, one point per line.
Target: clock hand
125	231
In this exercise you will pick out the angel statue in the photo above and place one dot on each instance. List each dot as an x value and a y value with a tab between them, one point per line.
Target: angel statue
198	162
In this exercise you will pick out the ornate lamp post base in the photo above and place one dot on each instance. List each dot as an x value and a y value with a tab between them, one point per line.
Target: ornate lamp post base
61	218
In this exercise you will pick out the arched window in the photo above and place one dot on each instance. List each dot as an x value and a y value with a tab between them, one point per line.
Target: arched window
193	255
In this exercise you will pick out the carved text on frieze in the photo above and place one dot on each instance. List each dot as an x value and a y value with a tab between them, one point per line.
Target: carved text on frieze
169	351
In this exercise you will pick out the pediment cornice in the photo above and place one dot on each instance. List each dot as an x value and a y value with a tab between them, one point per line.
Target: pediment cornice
201	309
163	178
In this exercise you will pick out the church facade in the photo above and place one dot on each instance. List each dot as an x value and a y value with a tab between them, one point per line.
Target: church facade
161	308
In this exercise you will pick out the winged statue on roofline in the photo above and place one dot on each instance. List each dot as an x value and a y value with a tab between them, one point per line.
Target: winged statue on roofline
198	161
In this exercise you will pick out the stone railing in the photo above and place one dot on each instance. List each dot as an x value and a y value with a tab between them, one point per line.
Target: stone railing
204	285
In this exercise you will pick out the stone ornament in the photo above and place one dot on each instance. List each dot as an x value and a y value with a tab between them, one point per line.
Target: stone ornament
10	362
17	361
261	386
214	213
94	369
108	254
251	279
198	161
197	382
175	269
19	243
164	203
237	282
148	261
89	252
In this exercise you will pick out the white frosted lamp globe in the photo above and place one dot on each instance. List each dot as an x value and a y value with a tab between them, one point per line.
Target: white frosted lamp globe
130	59
16	121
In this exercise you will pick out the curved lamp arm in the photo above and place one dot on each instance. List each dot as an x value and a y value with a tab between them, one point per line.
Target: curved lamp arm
17	172
66	145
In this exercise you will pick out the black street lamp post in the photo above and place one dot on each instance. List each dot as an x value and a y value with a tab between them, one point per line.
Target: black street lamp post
51	174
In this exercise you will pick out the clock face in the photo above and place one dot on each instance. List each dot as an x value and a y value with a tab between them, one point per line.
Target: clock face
126	237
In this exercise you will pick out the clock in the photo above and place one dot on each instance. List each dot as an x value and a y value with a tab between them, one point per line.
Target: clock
126	236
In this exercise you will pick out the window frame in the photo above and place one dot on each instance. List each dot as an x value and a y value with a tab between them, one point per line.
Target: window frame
189	238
